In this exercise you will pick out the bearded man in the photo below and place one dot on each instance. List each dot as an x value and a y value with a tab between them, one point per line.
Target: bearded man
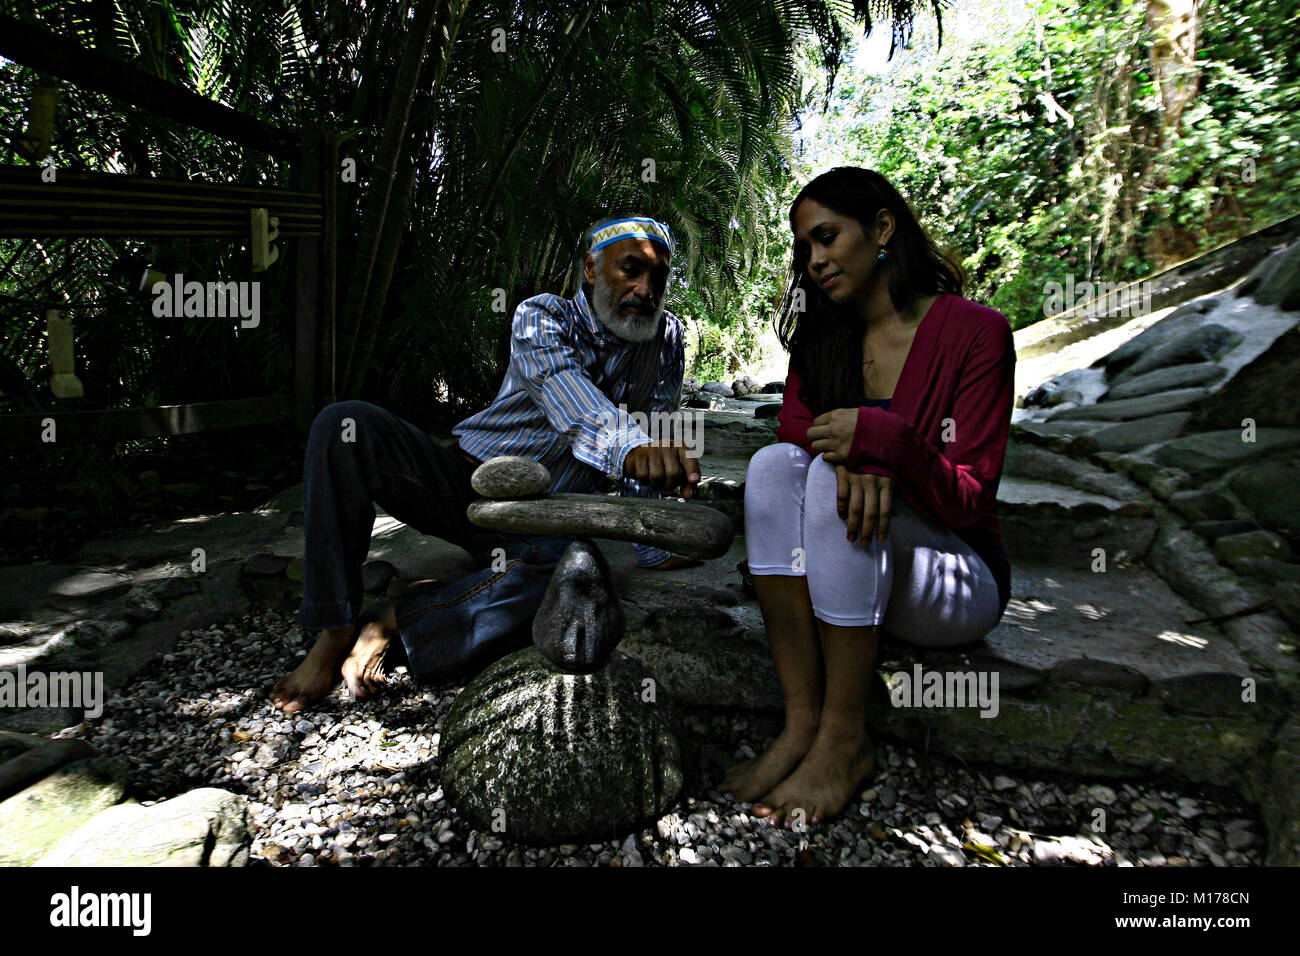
577	368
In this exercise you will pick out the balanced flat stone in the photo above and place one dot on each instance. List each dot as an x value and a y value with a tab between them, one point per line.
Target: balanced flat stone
510	476
692	530
762	397
580	620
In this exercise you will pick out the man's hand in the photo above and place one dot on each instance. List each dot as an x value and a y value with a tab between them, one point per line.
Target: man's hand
663	466
831	433
866	502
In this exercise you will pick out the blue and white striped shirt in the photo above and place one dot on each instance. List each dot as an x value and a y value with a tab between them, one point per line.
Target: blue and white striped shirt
559	401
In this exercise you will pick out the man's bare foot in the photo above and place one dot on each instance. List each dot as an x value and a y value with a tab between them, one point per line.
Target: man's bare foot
823	783
750	779
314	677
363	670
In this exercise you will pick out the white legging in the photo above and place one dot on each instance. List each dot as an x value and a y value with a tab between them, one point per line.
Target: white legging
922	584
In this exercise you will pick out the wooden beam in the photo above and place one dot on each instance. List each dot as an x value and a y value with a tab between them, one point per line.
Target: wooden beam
25	430
100	204
68	60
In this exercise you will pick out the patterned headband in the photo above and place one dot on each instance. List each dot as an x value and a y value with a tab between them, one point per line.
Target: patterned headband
658	232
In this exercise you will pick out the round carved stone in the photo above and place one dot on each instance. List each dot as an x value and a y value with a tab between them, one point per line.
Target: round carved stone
559	757
510	476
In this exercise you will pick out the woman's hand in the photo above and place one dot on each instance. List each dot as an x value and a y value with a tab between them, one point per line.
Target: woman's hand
866	502
831	433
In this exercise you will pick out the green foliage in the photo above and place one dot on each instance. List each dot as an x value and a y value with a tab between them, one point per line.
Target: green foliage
1038	151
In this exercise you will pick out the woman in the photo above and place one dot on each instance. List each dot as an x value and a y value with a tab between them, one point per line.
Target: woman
876	507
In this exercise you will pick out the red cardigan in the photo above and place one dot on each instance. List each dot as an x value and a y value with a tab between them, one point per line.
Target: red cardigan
961	367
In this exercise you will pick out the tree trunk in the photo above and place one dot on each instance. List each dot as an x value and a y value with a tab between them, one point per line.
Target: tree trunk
377	203
387	241
1173	55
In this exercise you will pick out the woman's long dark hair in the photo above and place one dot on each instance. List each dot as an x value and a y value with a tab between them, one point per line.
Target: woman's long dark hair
825	340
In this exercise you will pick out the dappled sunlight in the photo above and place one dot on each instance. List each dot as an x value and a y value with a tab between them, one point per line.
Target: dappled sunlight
1186	640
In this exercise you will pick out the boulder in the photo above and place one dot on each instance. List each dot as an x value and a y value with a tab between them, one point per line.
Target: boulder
1167	379
1256	486
1262	390
717	388
25	759
1182	320
1211	453
1202	344
679	526
205	827
1126	408
1251	544
580	620
768	410
1201	505
1280	286
706	400
558	757
1139	432
772	388
37	818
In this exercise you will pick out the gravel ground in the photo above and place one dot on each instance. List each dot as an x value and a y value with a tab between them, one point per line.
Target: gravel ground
356	784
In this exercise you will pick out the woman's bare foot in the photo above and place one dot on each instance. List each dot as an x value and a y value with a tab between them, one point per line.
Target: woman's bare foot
750	779
314	677
824	782
363	670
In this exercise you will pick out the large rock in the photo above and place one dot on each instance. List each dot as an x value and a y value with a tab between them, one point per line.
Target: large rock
1279	283
25	759
1165	379
1263	390
555	757
37	818
1140	432
704	660
1141	407
1256	486
510	476
1211	453
688	529
1202	344
205	827
1182	320
580	621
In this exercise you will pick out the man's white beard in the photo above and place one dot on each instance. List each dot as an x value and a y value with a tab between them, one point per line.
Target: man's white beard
632	327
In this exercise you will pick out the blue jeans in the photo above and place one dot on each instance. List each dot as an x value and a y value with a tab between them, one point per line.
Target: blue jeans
359	455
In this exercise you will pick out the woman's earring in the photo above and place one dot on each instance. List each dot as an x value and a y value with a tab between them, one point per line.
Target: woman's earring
884	254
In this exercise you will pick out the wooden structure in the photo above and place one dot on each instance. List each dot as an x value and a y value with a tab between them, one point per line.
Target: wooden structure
92	204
